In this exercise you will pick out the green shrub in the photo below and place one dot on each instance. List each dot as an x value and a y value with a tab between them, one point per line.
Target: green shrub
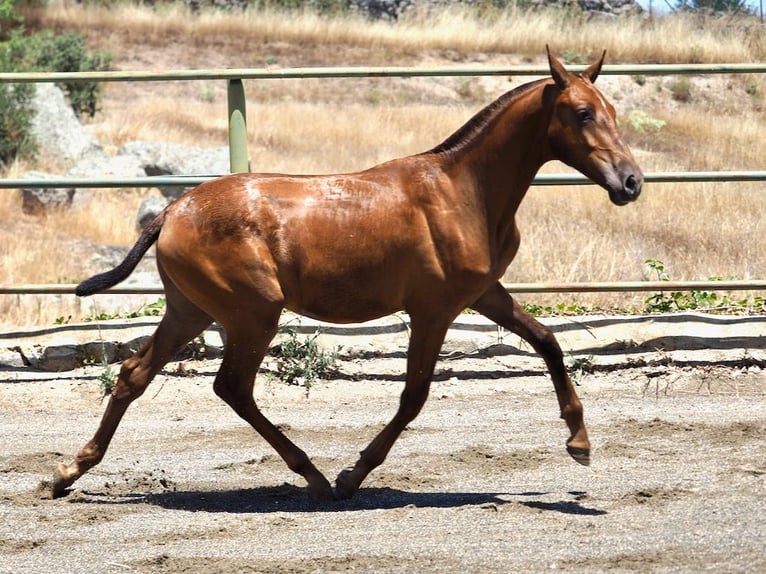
41	52
47	52
302	362
16	115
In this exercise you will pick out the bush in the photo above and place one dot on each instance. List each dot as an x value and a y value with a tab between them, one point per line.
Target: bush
47	52
42	52
15	116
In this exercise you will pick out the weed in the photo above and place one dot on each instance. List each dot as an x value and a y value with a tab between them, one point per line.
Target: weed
302	362
696	299
681	90
580	366
642	122
754	89
149	310
106	378
560	309
573	57
656	268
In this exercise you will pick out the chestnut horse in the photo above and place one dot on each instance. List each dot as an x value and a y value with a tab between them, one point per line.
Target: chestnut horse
430	234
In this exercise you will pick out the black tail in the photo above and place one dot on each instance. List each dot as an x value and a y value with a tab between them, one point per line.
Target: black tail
103	281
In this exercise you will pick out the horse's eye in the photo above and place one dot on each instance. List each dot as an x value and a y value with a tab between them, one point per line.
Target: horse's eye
585	115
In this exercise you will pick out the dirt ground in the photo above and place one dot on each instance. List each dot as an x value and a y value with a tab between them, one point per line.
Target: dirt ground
480	482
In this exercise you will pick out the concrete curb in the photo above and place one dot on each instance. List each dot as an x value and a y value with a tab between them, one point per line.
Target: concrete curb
67	347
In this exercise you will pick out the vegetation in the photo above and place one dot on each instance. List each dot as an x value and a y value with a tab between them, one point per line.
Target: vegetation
301	362
39	52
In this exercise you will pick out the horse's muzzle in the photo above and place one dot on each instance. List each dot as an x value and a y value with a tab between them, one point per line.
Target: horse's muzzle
630	189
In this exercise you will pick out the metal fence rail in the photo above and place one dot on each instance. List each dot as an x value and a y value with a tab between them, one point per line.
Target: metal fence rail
546	179
238	149
371	72
589	287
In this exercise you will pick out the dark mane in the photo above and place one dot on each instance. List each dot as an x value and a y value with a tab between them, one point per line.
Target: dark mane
477	124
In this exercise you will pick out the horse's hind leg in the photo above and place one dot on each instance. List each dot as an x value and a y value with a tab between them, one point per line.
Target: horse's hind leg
246	345
182	322
499	306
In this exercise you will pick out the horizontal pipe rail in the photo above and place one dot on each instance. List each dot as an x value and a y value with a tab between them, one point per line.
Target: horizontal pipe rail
370	72
545	179
238	74
582	287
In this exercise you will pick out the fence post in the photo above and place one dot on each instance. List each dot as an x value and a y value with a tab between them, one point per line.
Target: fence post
238	160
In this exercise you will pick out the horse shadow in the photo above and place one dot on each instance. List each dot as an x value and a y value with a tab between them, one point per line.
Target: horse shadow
293	499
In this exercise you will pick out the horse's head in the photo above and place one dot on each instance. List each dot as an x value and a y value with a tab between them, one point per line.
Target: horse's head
583	133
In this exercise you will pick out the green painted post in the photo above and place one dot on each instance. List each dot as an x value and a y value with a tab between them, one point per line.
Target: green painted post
238	160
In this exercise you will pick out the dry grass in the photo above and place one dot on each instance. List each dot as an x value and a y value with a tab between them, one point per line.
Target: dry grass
569	234
685	38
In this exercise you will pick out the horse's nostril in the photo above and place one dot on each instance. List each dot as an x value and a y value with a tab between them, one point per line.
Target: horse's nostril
631	184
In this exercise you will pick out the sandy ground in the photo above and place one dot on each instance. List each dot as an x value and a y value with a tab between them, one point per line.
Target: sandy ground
480	482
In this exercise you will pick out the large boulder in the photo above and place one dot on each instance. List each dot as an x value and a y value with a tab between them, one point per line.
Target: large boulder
157	158
57	130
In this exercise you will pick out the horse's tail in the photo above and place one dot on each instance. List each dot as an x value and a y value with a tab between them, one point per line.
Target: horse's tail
104	281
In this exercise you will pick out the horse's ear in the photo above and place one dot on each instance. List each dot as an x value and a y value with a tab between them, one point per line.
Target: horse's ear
559	73
592	71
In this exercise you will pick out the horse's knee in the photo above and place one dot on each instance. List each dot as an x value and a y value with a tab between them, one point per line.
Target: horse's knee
131	381
548	346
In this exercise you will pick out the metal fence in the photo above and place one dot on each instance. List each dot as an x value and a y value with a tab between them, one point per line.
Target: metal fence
239	158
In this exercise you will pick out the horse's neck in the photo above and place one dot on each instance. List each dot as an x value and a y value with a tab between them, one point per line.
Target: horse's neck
507	155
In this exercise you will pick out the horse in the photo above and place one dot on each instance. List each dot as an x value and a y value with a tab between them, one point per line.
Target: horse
429	234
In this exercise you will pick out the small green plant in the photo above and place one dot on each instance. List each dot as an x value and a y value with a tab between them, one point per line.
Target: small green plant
754	89
559	310
681	90
302	362
106	379
149	310
654	268
573	57
642	122
578	367
696	299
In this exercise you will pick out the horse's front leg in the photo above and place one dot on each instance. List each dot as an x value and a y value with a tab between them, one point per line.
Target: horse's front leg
425	342
499	306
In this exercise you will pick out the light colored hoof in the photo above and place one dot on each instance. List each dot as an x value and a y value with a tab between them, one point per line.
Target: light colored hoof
61	481
581	455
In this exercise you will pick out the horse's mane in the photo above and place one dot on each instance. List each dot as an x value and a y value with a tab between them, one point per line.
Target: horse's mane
474	127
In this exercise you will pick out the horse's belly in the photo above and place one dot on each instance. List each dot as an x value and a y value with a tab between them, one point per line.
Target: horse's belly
346	299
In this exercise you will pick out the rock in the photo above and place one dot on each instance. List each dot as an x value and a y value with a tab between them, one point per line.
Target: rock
42	200
12	358
150	208
56	128
156	158
102	165
58	358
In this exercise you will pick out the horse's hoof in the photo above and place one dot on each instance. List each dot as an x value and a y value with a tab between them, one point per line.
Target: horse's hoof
344	488
320	494
581	455
60	482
